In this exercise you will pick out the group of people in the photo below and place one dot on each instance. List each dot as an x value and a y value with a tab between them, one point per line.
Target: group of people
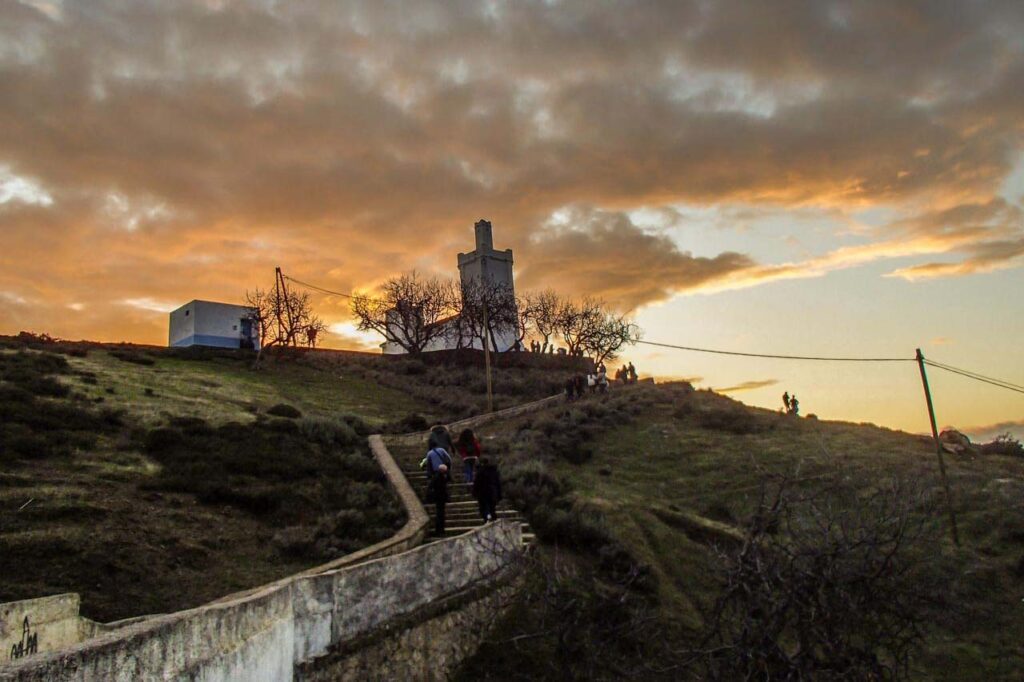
626	374
791	403
538	347
478	472
577	385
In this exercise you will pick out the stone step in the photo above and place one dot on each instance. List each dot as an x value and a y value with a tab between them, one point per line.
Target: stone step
452	529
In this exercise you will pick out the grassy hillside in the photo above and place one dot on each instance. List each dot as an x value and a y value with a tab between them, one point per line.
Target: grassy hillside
152	479
666	473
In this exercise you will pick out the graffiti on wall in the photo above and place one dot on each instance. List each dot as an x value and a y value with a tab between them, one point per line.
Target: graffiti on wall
29	643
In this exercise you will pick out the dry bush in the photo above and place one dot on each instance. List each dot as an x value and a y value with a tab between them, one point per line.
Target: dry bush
824	587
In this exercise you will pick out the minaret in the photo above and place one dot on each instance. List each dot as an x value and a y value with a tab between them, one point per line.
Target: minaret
486	263
484	238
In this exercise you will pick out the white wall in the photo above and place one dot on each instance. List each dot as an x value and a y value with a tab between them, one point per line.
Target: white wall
207	323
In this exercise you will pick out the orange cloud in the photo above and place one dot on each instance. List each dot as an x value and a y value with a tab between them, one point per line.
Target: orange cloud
167	151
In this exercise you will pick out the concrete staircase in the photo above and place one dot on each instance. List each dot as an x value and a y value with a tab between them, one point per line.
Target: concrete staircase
462	513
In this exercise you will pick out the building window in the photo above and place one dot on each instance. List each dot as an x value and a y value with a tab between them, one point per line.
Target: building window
186	313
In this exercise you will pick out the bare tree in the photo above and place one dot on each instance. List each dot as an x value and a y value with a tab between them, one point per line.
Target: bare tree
411	311
490	309
611	334
823	587
283	318
588	327
545	306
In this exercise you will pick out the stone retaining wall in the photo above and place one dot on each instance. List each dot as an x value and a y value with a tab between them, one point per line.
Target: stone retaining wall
264	635
429	644
300	623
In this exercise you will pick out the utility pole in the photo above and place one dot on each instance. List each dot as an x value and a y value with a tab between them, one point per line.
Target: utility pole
276	307
487	360
938	449
287	304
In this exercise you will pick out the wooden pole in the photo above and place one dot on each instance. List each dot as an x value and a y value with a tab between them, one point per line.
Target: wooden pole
487	360
277	304
938	449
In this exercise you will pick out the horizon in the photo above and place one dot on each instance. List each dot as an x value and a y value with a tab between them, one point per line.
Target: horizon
818	178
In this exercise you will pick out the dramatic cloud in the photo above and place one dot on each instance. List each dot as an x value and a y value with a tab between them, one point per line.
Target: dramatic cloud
163	151
605	254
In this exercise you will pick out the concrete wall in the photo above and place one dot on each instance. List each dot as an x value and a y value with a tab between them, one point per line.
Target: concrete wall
37	625
429	644
316	619
265	635
207	323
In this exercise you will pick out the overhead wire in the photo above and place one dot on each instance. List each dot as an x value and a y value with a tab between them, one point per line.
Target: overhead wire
773	356
973	374
1007	386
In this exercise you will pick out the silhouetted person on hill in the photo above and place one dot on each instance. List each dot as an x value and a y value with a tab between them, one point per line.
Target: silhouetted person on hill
570	389
785	401
632	373
487	489
794	405
437	492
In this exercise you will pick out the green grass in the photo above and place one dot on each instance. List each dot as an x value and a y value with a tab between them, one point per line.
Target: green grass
665	460
681	461
224	389
223	497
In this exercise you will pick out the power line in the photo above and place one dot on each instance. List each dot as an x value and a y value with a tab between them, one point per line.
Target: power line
776	357
974	375
1008	387
316	288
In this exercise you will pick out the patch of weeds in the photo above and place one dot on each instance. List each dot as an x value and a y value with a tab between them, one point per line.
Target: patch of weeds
36	419
133	357
731	420
1005	444
282	470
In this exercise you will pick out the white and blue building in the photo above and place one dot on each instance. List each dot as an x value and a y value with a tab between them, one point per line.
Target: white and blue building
218	325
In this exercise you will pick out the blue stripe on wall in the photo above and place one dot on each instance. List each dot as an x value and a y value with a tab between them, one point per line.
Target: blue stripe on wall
208	340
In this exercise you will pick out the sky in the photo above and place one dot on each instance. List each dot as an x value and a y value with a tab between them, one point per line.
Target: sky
813	178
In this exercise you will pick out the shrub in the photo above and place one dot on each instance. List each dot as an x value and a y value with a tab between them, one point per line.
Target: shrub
414	368
1005	444
584	530
412	422
31	428
283	410
530	484
328	432
572	448
296	541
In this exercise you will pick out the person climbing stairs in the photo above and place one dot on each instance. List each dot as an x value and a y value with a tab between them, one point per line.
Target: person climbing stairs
463	514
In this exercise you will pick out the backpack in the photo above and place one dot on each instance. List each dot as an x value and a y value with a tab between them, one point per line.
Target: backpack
446	459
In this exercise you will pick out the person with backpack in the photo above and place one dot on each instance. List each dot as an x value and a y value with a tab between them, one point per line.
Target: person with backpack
468	448
437	493
487	489
436	458
439	437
